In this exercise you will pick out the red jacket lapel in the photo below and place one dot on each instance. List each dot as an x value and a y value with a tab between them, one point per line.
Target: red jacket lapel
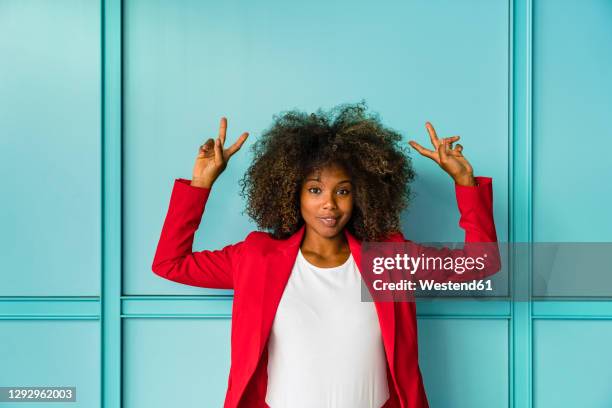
279	264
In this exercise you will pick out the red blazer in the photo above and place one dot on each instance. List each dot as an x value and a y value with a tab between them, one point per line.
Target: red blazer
258	268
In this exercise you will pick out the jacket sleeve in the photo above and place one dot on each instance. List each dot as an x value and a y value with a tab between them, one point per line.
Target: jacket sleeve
174	259
476	209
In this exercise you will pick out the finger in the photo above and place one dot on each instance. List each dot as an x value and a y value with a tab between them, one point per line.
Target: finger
206	149
458	148
425	152
456	154
452	140
223	130
208	144
432	135
442	150
447	142
218	151
237	145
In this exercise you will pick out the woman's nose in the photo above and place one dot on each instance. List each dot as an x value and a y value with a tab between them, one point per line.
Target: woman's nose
330	202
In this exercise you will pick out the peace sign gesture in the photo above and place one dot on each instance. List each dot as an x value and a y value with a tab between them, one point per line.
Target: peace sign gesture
212	157
450	159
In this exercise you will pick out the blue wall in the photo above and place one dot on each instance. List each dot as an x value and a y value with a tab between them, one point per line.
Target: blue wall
103	105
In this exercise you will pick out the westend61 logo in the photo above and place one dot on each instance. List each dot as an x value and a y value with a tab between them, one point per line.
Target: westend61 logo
430	284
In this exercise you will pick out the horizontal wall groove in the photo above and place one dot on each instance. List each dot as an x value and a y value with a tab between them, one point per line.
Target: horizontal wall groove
51	298
48	307
177	316
49	317
175	297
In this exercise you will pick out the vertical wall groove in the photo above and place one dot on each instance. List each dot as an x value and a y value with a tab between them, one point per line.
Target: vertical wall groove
111	204
521	205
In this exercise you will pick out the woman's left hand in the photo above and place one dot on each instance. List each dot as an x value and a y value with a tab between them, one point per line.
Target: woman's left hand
450	159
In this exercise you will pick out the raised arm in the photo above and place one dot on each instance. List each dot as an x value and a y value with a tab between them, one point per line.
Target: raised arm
174	259
475	201
476	208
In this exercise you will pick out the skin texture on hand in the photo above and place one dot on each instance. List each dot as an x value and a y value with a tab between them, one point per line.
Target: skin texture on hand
212	157
450	159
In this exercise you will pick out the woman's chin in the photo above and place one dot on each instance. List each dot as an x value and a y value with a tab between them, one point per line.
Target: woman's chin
329	232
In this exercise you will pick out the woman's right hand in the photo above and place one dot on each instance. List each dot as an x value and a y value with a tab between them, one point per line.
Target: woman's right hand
212	157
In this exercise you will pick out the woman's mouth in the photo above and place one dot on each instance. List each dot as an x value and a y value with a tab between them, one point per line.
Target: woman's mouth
328	221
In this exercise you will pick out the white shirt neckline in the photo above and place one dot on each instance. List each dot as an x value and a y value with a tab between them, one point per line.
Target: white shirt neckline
322	269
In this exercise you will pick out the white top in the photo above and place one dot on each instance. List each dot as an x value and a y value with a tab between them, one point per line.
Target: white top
325	348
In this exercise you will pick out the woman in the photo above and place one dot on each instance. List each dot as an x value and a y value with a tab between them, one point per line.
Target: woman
320	184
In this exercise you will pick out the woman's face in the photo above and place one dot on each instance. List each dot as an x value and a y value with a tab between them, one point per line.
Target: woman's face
326	200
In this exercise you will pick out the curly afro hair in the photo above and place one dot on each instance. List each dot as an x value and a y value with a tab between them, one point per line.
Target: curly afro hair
298	143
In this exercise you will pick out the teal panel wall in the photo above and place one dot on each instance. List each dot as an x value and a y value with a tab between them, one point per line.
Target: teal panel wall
53	353
572	104
572	363
175	362
103	104
464	362
50	157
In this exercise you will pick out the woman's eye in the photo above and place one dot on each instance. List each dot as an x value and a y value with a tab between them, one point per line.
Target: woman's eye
317	190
